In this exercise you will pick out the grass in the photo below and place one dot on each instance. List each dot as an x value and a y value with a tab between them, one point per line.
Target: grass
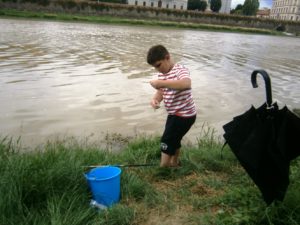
118	20
46	185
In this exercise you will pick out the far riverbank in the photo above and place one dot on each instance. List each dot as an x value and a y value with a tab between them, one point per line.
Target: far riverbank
12	13
84	10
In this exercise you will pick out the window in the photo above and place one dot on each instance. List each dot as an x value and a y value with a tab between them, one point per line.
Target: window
167	6
144	3
174	7
159	4
152	4
181	7
136	3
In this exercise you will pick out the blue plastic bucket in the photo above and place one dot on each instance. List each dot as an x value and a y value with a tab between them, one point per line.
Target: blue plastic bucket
104	183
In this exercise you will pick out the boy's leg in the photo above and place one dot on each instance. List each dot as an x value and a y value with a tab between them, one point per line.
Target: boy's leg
175	129
175	158
165	160
185	125
169	160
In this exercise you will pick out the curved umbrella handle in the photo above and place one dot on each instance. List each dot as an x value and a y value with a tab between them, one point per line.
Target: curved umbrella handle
267	84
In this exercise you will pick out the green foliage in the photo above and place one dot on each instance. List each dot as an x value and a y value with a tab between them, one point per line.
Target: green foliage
238	10
118	215
250	7
197	5
215	5
67	4
202	6
38	2
9	0
32	183
239	7
136	188
207	137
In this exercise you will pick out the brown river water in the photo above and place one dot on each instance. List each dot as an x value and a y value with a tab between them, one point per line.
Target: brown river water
62	79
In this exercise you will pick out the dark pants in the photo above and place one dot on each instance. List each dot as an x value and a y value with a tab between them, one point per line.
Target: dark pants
176	127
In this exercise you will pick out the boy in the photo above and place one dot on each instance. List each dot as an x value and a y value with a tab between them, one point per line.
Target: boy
174	88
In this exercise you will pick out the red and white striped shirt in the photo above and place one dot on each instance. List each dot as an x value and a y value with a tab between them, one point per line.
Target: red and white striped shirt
178	102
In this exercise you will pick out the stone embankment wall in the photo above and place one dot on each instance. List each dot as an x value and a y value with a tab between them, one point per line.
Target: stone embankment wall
139	12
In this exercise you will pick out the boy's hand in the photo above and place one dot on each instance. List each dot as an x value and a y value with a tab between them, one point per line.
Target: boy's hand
156	84
155	104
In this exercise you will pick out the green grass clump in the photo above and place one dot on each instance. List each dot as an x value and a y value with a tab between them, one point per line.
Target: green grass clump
46	185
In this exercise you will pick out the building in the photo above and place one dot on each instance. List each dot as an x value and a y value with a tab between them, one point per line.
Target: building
167	4
177	4
285	10
263	13
225	8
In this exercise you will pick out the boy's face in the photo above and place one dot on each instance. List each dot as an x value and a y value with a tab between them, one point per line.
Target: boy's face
164	65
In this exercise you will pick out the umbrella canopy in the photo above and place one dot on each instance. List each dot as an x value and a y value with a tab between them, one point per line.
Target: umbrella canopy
265	140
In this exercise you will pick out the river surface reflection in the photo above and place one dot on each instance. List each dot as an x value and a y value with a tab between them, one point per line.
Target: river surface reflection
78	79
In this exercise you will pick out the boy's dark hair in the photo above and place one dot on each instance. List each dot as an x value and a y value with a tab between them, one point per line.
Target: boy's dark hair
156	53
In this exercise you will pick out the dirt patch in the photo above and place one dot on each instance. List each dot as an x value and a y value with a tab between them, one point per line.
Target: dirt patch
177	217
202	189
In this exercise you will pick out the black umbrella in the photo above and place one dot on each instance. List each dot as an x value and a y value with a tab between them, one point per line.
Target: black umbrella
265	140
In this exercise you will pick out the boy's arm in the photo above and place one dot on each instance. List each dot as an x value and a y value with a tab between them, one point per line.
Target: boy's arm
158	95
182	84
157	98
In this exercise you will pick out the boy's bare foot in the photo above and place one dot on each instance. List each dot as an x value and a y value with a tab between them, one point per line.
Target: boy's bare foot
176	165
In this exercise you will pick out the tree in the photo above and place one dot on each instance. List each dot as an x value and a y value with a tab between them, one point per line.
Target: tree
215	5
197	5
238	9
203	5
250	7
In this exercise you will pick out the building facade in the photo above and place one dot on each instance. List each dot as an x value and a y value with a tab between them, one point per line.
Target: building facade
226	6
285	10
263	13
177	4
167	4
